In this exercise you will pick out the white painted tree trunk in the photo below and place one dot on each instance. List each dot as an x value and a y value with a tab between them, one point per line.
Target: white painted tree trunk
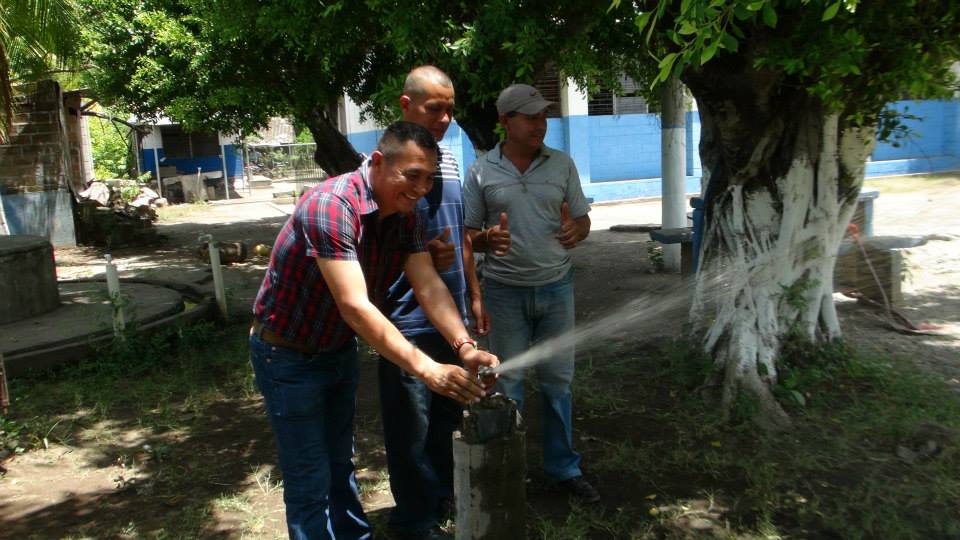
769	250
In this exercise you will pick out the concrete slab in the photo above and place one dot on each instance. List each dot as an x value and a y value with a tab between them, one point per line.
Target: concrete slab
85	314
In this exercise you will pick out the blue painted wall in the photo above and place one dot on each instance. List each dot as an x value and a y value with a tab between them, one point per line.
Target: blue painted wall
624	147
233	156
928	136
44	213
618	157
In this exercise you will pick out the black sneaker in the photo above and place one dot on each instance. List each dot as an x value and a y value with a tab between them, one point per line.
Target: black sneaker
447	510
581	489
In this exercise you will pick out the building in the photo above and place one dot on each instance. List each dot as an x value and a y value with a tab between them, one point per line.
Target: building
616	143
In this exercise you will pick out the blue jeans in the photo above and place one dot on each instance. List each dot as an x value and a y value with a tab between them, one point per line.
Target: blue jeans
521	317
418	430
310	399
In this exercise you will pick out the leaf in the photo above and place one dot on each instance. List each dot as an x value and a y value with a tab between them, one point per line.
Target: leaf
687	28
708	53
667	61
769	16
831	11
642	20
755	6
798	397
666	66
729	43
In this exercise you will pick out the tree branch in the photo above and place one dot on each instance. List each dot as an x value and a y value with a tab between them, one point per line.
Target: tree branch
138	129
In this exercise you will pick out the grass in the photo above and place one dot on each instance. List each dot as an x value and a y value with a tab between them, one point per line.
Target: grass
857	463
910	184
840	472
136	405
155	378
175	212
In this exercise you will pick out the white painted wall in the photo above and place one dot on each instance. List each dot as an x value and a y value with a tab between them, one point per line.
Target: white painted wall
573	99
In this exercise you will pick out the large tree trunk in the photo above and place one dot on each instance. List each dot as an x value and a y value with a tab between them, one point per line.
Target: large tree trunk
783	177
334	154
480	123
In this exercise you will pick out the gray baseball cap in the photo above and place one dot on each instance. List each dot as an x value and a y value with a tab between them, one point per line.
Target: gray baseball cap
521	98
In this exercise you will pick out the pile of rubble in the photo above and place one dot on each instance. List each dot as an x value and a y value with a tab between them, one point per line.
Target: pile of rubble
117	212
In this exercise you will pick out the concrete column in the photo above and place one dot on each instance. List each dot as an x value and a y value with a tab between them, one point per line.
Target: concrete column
224	140
362	134
673	166
153	142
573	107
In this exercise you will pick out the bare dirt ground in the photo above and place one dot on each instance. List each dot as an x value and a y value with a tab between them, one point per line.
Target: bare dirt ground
111	477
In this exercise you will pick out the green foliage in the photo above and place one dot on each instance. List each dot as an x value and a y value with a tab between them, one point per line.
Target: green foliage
111	153
853	56
796	294
37	37
304	136
655	255
485	46
231	64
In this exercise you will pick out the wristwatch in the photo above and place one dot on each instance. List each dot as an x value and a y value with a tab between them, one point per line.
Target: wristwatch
460	342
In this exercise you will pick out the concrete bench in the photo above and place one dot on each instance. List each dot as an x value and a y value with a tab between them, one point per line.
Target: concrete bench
886	257
682	236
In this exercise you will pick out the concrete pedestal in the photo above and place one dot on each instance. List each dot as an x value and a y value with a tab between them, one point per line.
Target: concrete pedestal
489	485
489	471
28	278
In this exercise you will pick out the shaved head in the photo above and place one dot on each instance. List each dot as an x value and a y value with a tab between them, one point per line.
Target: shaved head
420	77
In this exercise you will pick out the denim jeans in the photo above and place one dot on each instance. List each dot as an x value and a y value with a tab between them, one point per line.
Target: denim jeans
418	430
521	317
310	399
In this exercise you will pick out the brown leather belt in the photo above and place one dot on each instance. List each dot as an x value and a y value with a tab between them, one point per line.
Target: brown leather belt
272	338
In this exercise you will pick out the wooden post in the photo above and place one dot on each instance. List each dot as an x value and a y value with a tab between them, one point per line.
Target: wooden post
489	472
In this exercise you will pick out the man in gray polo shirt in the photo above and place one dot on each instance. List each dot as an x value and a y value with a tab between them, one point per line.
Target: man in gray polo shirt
531	194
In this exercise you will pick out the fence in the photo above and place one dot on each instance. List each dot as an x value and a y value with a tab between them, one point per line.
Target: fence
287	167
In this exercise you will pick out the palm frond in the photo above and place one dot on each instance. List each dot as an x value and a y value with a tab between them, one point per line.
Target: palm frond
36	36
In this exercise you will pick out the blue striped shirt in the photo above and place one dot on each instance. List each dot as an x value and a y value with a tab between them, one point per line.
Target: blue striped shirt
439	209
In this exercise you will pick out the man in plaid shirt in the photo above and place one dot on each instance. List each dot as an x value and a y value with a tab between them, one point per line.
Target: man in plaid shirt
345	243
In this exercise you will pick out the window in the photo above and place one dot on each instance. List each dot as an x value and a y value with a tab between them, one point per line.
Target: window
179	144
548	83
628	101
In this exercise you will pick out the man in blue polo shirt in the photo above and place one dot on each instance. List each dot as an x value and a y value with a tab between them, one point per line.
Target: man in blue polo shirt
528	290
418	424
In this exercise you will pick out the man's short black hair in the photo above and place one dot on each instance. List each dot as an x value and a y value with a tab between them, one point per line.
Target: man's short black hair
398	133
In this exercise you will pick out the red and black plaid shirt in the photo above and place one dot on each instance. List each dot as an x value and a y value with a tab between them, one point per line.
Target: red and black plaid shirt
337	219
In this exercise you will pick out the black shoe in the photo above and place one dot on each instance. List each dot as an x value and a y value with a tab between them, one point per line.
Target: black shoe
433	533
447	510
581	489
